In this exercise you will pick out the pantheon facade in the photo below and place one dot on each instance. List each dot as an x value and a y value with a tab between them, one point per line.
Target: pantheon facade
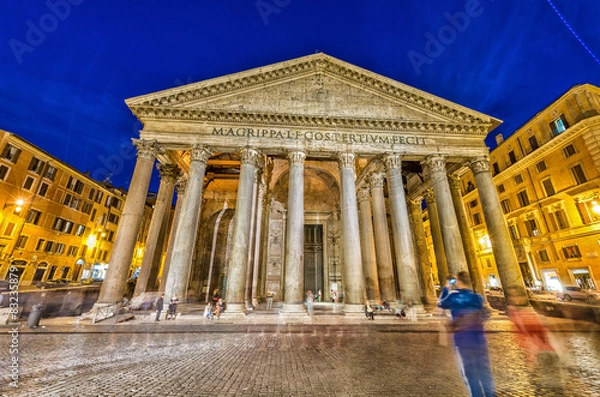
309	174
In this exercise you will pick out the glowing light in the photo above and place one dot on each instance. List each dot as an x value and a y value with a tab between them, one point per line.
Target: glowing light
596	207
91	240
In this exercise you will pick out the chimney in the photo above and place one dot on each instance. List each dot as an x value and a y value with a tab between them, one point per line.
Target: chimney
499	139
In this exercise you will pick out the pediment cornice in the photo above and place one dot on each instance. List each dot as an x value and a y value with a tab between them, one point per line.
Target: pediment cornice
312	64
308	121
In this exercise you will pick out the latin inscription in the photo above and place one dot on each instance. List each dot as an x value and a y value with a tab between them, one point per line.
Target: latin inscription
338	137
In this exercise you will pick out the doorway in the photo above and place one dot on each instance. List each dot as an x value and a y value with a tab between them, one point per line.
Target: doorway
313	258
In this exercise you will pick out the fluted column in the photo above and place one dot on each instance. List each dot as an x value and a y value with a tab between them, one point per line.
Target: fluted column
353	281
403	243
294	241
120	260
250	267
455	253
427	289
367	245
383	249
242	220
187	226
465	233
506	259
436	237
153	250
262	188
180	187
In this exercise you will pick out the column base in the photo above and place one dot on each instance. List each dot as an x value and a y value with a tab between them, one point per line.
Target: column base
234	310
353	308
293	310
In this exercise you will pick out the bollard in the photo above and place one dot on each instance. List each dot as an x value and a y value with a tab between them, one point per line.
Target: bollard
33	321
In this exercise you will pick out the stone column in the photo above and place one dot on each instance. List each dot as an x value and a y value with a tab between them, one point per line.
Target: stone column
367	245
187	226
250	266
428	291
354	288
262	188
455	253
436	237
153	250
242	220
465	233
506	259
403	243
180	187
113	286
383	249
294	241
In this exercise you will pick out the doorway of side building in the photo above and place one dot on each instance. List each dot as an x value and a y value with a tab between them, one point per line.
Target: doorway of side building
313	258
583	278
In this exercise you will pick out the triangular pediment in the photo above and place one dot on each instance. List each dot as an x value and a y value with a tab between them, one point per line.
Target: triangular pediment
317	86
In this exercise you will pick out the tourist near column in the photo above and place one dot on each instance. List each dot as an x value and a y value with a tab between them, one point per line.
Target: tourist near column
120	260
467	238
187	227
383	248
294	241
455	253
153	250
180	188
354	288
504	253
403	243
427	288
242	220
436	237
367	245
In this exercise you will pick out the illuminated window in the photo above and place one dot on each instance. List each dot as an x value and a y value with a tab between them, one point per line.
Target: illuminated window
571	252
532	228
10	153
543	254
559	125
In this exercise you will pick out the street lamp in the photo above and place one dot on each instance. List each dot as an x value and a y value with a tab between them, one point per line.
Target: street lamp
17	204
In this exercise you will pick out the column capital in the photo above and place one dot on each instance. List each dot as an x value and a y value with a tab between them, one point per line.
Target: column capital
249	156
200	153
180	186
346	159
377	180
296	157
168	172
428	195
480	164
147	149
416	203
393	161
363	194
454	181
435	163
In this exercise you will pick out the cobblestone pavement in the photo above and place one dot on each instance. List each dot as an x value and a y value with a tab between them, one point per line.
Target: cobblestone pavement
318	363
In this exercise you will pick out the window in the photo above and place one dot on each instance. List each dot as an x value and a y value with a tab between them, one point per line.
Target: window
496	168
548	187
513	231
569	150
523	198
36	165
40	244
541	166
501	188
92	193
558	219
578	174
559	125
86	208
72	251
10	153
8	231
473	203
477	218
75	185
22	241
512	157
111	236
50	172
33	216
93	215
79	230
571	252
112	218
3	172
50	245
43	189
98	198
83	250
28	183
532	228
533	143
60	248
589	211
543	254
518	179
63	225
505	206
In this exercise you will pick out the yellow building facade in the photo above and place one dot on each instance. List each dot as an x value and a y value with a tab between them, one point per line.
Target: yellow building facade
548	181
56	222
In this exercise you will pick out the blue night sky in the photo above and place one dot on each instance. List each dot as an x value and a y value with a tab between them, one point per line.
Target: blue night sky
68	65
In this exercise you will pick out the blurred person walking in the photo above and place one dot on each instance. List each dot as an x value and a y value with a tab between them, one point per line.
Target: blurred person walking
159	306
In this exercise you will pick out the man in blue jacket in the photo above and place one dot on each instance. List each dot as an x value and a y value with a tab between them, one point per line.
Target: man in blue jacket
467	312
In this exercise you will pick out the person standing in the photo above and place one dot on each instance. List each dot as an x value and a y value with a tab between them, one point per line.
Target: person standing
270	299
309	302
172	307
466	308
159	306
369	311
319	295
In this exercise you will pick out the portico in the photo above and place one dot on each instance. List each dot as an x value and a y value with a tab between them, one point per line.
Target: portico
300	173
